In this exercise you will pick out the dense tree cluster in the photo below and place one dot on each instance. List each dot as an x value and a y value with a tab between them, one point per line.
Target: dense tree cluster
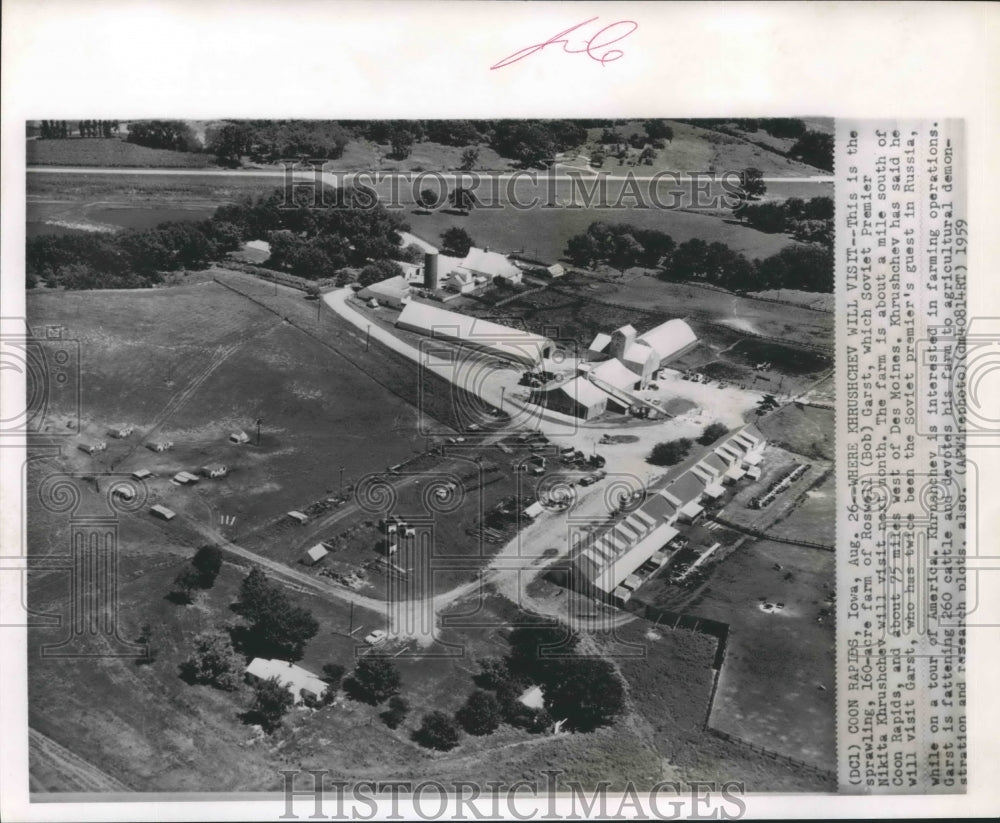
584	692
711	433
130	260
61	129
348	229
670	452
808	267
619	245
806	220
271	700
278	628
374	680
214	661
814	148
163	134
535	142
315	240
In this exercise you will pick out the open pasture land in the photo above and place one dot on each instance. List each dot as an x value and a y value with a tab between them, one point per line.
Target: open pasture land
694	302
805	430
191	364
814	518
110	202
111	152
697	149
143	724
777	684
542	233
670	689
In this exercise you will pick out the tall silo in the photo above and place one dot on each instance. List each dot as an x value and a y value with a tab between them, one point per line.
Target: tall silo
431	270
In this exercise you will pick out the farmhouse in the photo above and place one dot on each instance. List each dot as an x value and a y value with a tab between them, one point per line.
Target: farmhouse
519	346
300	682
215	470
577	398
160	445
491	264
162	512
122	432
394	292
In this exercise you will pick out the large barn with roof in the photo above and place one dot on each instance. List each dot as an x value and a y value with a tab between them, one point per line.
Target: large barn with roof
643	354
519	346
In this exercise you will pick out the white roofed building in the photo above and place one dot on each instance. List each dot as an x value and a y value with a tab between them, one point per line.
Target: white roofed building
300	682
576	398
517	345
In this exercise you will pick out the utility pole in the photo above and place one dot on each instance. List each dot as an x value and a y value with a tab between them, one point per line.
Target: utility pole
341	481
259	421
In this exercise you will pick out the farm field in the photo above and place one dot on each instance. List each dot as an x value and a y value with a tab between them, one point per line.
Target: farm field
776	689
806	430
111	152
192	363
670	688
814	518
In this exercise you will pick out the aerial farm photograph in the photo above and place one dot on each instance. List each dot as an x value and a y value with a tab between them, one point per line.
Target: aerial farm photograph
465	450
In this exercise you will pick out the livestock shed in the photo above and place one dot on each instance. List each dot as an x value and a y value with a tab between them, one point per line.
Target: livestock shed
298	517
577	398
517	345
142	474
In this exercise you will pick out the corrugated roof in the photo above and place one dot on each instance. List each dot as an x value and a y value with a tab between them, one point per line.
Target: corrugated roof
687	487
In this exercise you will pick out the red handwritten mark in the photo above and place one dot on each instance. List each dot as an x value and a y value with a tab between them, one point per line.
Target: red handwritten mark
596	47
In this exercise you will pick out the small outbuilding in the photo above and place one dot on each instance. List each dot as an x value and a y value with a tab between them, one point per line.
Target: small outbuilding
315	554
239	437
142	474
300	682
534	510
162	512
298	517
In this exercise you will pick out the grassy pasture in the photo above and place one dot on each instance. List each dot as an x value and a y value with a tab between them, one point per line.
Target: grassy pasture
95	151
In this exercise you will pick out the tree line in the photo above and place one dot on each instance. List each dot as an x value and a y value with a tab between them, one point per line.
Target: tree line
809	221
61	129
804	266
308	241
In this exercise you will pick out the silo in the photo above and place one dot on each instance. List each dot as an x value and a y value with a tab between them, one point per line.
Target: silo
431	270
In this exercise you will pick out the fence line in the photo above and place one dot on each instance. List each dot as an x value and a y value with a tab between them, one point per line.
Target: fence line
810	544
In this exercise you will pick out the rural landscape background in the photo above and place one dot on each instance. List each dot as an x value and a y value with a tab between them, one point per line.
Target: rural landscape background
160	247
